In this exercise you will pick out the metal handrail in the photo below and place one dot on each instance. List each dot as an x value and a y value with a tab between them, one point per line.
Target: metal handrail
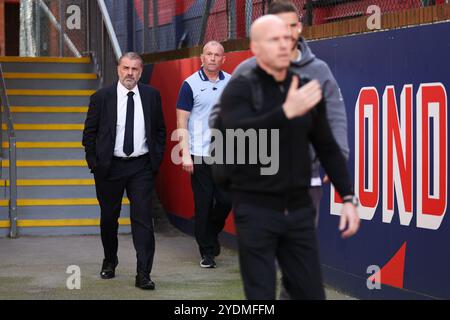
12	157
64	38
110	28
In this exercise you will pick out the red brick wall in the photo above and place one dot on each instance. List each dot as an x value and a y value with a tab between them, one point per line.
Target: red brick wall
2	24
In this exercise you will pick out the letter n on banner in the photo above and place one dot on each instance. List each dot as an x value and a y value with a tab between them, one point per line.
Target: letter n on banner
397	155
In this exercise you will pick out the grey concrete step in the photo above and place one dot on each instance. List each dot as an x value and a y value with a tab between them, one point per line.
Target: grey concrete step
47	135
48	109
80	84
27	117
56	192
47	154
61	231
47	67
50	173
48	100
62	215
62	212
39	192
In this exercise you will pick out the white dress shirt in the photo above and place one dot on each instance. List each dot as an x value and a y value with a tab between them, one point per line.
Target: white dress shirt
140	141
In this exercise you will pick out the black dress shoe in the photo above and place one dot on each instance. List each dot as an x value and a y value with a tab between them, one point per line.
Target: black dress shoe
144	282
108	269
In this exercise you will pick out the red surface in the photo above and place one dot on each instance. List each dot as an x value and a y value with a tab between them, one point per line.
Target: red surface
393	272
166	10
173	184
240	19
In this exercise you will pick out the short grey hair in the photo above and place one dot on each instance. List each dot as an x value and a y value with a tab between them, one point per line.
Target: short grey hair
132	56
213	43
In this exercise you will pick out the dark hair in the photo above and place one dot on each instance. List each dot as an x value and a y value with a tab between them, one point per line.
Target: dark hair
281	6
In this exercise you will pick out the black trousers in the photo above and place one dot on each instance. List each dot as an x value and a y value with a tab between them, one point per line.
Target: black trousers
136	177
212	206
316	195
266	236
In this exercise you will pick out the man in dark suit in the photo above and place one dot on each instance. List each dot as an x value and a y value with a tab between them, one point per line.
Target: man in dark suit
124	139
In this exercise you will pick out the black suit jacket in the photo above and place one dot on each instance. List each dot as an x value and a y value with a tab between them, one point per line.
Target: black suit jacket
99	134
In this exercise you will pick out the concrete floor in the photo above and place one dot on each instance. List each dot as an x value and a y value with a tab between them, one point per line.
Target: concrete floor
35	268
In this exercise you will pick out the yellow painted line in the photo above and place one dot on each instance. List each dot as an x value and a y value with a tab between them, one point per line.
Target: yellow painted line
46	59
50	182
47	76
44	145
57	202
48	109
61	222
23	126
4	224
46	163
39	92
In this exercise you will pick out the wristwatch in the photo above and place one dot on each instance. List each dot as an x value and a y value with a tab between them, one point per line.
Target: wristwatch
352	199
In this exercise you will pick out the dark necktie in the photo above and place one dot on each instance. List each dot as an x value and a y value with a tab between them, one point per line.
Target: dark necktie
128	141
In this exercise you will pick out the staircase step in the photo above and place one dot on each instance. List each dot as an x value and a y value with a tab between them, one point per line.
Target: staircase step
42	84
46	127
60	222
62	231
48	76
51	182
50	101
38	192
59	211
48	67
37	150
46	64
63	192
44	109
69	226
49	118
46	135
52	60
45	145
47	163
56	202
43	154
41	92
50	173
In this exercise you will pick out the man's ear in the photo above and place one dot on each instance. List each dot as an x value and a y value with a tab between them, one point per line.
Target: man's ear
254	47
300	27
202	59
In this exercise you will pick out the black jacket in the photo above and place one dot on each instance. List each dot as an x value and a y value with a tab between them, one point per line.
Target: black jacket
99	134
288	187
